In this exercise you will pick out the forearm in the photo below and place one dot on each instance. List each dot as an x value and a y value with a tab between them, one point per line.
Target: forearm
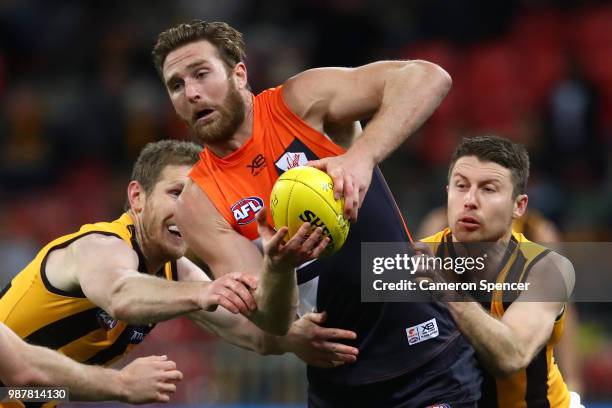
410	95
85	383
277	300
238	330
146	299
495	343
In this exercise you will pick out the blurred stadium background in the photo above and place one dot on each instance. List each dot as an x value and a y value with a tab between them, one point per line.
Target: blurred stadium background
80	97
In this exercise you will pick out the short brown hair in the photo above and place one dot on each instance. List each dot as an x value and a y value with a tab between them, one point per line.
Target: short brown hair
498	150
156	156
227	40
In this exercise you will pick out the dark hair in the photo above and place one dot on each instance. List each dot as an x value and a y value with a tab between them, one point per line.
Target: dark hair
227	40
156	156
498	150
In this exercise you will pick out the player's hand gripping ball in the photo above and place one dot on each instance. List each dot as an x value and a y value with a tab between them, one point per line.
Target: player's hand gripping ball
305	194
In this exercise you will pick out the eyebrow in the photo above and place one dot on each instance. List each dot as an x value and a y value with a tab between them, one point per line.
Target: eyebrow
485	181
194	64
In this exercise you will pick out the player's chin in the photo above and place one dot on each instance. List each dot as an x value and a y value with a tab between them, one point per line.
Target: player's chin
173	252
175	248
468	235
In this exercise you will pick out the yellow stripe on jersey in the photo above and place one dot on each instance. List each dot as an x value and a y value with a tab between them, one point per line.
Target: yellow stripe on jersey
67	321
541	383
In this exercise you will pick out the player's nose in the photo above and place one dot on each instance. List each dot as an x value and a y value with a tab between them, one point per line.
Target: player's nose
469	199
192	92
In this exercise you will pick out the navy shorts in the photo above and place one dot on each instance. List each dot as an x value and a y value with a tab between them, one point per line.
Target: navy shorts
451	380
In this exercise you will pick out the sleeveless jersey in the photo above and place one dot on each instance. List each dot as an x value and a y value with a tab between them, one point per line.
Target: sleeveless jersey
540	384
67	321
240	184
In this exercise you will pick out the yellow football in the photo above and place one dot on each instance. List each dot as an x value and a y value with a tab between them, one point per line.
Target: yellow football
305	194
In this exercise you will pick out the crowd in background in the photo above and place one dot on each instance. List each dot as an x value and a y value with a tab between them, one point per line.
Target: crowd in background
80	97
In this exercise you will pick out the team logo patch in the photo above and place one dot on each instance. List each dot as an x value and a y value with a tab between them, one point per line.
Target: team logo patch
421	332
106	321
290	160
244	211
257	164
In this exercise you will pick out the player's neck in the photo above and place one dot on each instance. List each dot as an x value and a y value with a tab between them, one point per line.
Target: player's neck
242	134
493	248
152	263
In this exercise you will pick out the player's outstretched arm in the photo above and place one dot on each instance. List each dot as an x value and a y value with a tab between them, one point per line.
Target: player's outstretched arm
225	251
398	96
145	380
509	344
314	344
105	269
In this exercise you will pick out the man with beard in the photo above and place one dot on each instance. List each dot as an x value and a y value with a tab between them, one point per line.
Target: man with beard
314	118
513	331
145	380
95	294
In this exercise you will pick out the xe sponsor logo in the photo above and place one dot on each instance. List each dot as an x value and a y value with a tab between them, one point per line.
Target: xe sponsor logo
290	160
244	211
257	165
428	327
422	331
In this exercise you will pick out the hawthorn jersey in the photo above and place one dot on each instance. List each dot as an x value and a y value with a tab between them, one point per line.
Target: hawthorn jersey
541	383
67	321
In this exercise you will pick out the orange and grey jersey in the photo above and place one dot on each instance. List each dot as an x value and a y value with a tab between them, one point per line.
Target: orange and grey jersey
68	322
239	185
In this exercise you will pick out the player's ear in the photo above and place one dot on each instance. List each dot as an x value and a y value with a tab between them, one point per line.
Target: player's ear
240	75
136	196
520	205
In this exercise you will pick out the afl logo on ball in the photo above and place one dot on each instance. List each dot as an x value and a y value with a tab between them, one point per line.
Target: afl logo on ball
106	321
244	211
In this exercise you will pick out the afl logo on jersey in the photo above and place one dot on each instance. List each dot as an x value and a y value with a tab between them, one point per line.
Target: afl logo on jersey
244	211
106	321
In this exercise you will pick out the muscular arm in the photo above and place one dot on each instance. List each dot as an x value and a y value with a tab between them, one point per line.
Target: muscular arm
509	344
398	96
312	343
236	329
224	250
145	380
105	268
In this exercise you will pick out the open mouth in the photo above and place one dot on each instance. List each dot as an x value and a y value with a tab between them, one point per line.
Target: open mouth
204	113
173	229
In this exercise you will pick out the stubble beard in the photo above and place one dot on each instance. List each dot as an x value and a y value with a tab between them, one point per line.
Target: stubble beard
231	116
